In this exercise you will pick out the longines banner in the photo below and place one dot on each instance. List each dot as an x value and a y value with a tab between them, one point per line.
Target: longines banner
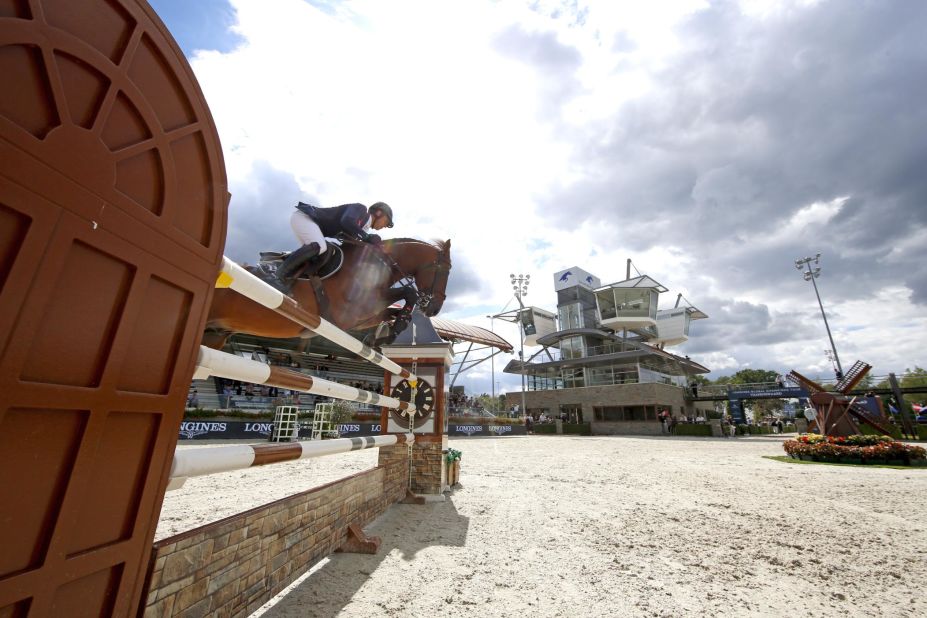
261	430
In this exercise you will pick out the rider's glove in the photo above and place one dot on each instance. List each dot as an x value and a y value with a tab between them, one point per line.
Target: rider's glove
374	239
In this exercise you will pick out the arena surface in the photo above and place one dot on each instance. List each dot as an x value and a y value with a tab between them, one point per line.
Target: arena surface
610	526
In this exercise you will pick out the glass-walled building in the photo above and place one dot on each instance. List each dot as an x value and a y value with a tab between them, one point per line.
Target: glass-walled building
606	363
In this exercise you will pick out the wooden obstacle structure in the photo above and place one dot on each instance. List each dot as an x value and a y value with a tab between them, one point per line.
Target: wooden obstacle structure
837	414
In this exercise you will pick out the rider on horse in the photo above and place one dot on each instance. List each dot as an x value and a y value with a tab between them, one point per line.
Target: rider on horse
312	225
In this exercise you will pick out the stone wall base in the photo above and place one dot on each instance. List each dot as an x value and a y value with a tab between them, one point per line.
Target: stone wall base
428	475
233	566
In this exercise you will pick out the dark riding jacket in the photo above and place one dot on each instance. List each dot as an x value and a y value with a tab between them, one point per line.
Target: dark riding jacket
348	219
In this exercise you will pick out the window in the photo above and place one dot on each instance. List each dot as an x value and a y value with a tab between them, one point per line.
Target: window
632	302
606	302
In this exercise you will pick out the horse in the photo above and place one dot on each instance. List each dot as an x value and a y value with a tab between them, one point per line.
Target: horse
357	297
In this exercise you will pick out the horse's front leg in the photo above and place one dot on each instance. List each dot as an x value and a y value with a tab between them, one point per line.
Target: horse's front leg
397	318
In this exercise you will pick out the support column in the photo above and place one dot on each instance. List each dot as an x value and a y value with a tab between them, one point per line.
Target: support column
422	351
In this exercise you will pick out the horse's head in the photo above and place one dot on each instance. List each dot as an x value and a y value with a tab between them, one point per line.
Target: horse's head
431	279
428	265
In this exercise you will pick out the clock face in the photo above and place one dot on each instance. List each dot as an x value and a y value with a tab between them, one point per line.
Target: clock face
424	402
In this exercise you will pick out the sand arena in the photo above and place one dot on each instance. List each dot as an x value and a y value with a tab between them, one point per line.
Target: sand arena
610	526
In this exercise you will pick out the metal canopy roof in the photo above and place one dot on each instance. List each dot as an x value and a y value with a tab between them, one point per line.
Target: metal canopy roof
642	281
457	331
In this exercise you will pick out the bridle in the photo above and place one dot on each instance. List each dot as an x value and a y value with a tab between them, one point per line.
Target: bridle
442	271
424	298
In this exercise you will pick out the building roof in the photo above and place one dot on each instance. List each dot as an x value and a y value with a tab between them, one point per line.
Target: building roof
458	331
642	281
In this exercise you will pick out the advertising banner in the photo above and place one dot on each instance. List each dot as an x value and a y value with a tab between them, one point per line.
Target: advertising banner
261	430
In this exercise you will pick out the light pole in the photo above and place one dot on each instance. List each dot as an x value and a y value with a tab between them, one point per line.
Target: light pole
492	361
811	275
520	287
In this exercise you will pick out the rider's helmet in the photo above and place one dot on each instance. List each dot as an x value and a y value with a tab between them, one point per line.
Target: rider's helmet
385	209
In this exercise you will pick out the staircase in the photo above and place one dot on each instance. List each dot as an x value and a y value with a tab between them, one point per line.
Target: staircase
206	394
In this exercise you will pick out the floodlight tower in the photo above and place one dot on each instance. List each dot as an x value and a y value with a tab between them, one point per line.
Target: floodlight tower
810	275
520	288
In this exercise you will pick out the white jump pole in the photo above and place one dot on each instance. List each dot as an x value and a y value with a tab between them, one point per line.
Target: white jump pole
237	278
215	363
203	461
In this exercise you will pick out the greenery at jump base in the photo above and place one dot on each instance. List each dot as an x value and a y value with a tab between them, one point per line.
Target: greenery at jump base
856	449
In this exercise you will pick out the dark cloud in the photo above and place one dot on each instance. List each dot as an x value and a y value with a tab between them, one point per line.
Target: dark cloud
259	213
464	282
754	120
737	324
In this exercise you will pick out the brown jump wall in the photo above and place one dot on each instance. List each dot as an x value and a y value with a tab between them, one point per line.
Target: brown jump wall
233	566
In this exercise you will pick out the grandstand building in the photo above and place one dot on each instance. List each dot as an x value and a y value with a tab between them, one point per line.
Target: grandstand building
605	361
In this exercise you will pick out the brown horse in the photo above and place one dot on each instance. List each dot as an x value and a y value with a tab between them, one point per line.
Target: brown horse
359	295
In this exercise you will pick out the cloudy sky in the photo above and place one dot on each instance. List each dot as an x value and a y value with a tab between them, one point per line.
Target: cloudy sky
713	143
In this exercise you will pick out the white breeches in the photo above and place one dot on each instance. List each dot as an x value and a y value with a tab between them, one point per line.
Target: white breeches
307	231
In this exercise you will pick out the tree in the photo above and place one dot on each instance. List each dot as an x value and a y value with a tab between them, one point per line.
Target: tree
485	402
342	412
767	407
914	377
748	376
754	376
910	377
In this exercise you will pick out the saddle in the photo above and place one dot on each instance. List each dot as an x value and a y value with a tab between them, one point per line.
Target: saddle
333	261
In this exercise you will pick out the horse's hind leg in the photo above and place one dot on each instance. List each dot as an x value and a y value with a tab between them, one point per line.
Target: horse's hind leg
215	338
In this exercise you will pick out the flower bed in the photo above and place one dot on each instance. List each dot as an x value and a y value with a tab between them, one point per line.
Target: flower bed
860	449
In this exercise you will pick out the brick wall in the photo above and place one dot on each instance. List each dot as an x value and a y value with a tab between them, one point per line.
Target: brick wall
429	475
627	428
233	566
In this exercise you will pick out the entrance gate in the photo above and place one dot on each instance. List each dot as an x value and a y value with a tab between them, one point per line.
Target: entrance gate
736	398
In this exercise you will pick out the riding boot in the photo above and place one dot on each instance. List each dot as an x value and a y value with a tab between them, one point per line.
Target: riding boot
294	262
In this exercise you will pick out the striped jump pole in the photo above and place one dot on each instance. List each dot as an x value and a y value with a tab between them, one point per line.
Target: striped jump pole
203	461
215	363
237	278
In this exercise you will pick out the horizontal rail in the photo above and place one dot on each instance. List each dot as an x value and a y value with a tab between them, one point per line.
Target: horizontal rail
221	364
240	280
203	461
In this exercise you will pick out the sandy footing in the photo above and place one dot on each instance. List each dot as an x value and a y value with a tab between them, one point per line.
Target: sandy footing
611	526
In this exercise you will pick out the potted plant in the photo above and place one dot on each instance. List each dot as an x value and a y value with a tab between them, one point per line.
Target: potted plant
452	462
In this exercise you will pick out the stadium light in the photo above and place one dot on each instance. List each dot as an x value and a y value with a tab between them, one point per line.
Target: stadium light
809	274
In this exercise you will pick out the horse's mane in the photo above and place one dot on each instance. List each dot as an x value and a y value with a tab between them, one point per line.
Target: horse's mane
437	244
